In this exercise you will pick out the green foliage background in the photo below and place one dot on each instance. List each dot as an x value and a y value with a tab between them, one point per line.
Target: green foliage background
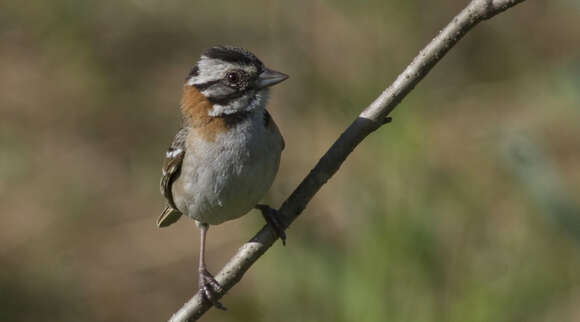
465	208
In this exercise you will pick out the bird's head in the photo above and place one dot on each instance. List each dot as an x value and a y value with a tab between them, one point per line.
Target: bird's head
232	79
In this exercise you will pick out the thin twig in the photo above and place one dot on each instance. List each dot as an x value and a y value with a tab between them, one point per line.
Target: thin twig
374	116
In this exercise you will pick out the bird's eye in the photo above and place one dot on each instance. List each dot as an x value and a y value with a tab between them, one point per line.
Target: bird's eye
233	77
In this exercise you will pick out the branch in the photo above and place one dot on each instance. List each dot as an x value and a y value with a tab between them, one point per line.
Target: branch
373	117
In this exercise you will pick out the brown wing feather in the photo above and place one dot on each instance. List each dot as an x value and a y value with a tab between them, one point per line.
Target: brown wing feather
170	172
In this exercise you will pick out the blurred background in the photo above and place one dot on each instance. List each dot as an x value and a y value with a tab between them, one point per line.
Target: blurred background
465	208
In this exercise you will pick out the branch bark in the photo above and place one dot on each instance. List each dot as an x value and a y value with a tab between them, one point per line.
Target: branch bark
371	118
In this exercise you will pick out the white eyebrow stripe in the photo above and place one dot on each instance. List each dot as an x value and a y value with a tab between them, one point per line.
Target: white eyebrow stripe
211	69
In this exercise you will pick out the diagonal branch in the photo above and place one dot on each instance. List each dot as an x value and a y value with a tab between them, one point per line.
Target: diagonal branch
368	121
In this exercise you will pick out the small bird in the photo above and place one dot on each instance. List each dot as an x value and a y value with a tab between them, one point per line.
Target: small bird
227	152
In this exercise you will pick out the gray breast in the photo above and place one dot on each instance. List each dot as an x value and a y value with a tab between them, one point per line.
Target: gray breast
224	179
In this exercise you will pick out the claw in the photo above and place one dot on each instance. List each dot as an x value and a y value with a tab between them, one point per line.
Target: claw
210	288
271	216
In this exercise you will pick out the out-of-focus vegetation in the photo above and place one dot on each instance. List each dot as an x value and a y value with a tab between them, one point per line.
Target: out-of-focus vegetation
465	208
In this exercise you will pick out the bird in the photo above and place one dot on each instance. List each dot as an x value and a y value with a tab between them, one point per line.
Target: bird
226	155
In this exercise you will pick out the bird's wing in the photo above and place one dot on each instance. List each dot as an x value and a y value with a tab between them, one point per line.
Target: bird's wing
170	172
271	126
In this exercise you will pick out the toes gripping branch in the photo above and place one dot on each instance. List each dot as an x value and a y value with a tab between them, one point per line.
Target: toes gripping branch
273	220
210	288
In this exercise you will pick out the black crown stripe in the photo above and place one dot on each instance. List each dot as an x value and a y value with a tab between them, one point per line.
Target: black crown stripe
233	55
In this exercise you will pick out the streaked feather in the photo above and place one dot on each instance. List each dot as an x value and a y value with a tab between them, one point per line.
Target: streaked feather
170	172
168	217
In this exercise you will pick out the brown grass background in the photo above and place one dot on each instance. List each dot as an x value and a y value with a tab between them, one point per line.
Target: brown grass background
465	208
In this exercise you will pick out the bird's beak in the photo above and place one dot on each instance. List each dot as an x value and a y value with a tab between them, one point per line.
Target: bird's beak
269	77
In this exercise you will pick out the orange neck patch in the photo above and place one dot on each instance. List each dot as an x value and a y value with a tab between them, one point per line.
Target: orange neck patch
195	108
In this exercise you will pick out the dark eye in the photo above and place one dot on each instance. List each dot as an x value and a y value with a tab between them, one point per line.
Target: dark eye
233	77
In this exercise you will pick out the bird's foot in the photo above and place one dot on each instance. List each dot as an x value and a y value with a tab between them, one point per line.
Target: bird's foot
271	216
210	288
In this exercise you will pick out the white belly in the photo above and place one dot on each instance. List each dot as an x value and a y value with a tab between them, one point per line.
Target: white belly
224	179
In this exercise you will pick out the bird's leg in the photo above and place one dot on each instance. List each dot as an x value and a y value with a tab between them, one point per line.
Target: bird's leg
208	286
271	216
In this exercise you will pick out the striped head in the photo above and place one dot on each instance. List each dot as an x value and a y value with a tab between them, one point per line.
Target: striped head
233	80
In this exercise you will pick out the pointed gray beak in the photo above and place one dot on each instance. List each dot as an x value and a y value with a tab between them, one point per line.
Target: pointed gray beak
269	77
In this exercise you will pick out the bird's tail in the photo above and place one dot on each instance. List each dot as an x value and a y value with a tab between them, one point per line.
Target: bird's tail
168	217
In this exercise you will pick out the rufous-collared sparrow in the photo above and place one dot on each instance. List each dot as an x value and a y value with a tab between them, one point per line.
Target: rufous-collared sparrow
226	155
